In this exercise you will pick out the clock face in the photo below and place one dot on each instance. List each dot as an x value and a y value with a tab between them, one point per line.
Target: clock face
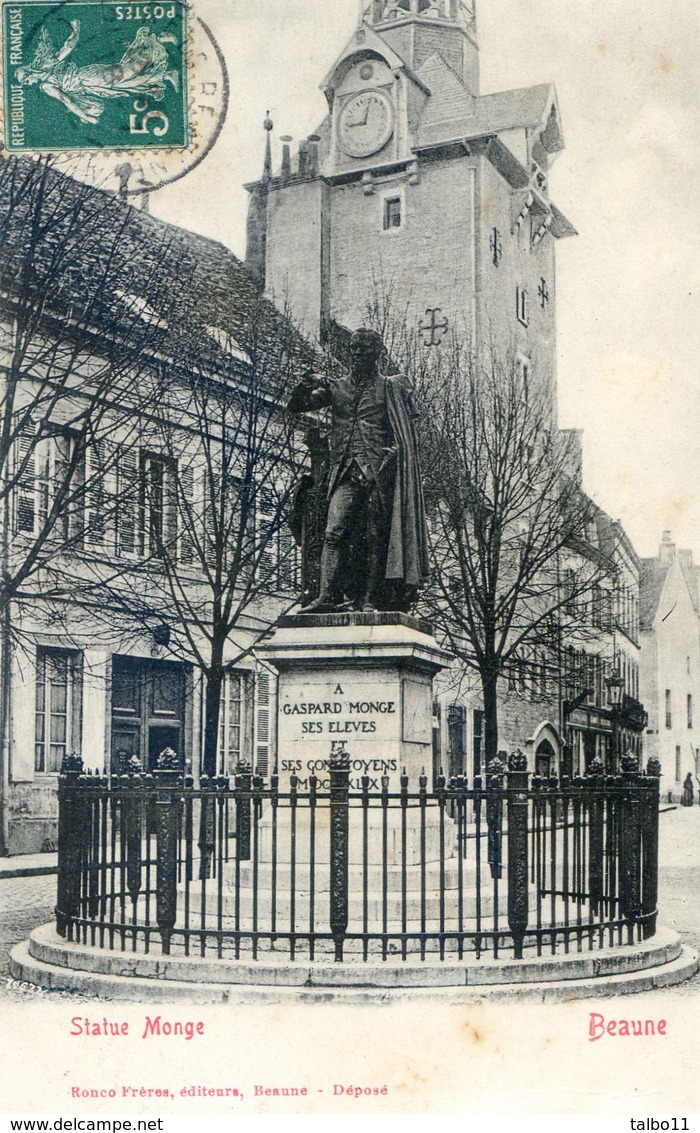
366	123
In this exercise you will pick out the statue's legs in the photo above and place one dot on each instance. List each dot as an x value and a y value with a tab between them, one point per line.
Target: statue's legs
339	525
376	540
357	522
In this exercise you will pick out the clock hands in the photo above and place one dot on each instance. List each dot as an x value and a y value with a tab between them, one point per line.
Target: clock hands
366	123
363	122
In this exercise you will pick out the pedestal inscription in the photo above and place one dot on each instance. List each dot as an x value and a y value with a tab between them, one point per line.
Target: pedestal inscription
359	680
364	710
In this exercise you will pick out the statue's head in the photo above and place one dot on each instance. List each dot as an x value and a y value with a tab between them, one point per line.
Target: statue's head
366	348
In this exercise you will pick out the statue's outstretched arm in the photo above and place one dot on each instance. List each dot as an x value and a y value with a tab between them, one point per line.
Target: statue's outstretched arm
313	392
70	43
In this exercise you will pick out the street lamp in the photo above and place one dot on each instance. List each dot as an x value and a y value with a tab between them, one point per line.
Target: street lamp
615	683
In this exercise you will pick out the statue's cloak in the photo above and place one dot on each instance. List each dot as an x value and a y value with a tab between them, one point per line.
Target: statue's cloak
407	556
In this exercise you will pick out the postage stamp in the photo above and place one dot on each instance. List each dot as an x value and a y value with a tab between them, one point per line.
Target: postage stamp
95	75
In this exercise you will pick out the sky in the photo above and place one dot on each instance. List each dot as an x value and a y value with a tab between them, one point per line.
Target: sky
628	82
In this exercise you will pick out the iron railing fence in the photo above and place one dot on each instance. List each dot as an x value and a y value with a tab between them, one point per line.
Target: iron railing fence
510	865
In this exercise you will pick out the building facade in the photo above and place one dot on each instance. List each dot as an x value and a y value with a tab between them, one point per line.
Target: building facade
136	502
670	664
419	194
422	198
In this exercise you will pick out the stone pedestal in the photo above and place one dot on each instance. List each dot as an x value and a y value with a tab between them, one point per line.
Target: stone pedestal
366	679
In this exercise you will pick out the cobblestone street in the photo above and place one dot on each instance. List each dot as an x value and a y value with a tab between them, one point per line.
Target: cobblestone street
29	901
24	903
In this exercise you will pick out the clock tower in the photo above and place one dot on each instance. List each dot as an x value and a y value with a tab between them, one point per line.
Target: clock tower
418	187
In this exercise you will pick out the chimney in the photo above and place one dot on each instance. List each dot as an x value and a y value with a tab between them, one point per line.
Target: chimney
313	167
667	550
685	558
303	159
286	168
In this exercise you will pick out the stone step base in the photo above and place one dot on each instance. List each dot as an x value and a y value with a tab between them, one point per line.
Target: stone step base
51	963
434	876
375	910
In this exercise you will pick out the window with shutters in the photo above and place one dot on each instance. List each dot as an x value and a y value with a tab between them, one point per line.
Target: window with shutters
25	474
208	488
266	523
264	693
128	510
158	505
96	495
278	555
186	513
47	475
58	702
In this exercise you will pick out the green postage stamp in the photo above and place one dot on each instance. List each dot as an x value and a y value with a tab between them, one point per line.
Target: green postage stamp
94	75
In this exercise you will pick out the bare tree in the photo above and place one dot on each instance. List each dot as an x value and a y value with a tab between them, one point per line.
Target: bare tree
507	510
75	339
78	342
219	466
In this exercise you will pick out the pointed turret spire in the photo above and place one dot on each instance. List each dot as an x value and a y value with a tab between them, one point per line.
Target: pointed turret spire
268	126
256	246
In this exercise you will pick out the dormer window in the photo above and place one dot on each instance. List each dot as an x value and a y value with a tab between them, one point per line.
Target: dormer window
137	305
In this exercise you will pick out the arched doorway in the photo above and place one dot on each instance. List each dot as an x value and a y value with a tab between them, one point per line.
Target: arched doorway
544	750
545	759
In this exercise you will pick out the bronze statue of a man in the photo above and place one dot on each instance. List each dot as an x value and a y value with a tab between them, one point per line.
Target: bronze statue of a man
374	553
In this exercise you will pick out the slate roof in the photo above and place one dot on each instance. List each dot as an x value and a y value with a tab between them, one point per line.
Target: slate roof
452	112
651	583
691	573
112	267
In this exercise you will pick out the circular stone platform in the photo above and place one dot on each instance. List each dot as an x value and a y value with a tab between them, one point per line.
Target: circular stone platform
52	963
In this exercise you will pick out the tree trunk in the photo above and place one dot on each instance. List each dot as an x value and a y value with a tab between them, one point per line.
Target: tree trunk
489	686
212	705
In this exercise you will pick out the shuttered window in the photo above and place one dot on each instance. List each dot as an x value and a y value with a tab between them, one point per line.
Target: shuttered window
186	514
264	691
46	471
25	473
96	495
127	501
